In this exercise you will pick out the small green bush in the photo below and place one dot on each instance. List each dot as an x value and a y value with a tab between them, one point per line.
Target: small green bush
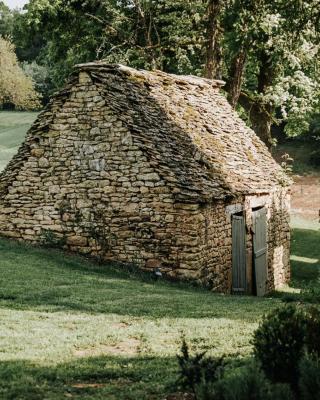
246	383
50	239
309	383
196	369
279	344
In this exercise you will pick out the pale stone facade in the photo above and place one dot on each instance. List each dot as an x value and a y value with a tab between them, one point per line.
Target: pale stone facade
146	168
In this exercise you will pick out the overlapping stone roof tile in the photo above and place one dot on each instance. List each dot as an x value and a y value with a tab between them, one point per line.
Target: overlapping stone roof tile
190	132
185	126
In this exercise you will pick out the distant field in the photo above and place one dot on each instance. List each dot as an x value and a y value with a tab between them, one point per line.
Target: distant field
13	127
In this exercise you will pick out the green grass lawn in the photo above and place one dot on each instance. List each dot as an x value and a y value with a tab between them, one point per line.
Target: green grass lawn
73	329
13	128
305	259
70	328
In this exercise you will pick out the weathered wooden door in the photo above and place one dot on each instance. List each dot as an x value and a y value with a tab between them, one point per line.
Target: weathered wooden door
239	276
260	250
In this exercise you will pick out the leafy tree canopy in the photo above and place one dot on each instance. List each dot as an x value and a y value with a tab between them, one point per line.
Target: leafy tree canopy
266	51
15	86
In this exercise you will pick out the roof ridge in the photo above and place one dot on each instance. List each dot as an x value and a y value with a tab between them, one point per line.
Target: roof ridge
105	67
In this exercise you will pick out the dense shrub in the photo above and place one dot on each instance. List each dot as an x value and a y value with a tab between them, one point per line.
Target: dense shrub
246	383
309	383
279	344
286	364
312	338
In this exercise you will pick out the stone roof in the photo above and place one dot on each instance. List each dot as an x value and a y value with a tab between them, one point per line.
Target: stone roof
188	130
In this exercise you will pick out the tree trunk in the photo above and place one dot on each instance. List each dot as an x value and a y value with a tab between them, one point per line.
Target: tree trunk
146	22
261	119
236	74
213	50
260	116
261	113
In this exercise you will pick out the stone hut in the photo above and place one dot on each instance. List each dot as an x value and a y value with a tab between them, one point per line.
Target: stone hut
155	169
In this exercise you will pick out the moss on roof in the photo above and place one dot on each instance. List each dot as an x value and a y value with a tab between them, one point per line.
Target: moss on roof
184	124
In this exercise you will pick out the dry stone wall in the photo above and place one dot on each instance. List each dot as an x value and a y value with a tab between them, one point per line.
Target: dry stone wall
279	240
84	179
215	240
216	247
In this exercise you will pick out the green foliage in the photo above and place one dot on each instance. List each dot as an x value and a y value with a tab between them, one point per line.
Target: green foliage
77	323
150	34
78	315
279	42
5	20
310	294
313	331
15	86
247	383
309	383
279	344
286	163
40	76
49	238
197	369
100	231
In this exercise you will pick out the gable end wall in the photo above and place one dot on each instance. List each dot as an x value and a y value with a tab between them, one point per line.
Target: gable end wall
86	180
87	183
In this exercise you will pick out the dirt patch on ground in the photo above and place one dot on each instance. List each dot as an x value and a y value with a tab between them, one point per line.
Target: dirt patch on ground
88	385
305	199
128	347
120	325
180	396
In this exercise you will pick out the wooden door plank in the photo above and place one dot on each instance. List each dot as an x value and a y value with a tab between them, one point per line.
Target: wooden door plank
260	250
238	254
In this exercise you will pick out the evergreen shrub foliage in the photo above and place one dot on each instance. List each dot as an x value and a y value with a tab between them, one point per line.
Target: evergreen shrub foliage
312	338
309	383
279	344
196	369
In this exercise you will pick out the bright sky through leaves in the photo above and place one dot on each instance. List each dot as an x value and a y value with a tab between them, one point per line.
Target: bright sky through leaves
15	3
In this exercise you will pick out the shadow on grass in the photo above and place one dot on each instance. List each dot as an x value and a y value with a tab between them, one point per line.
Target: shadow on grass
105	377
46	280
